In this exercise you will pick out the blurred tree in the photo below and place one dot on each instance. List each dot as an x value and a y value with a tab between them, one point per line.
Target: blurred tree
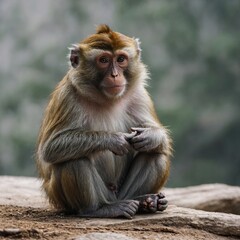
35	44
193	50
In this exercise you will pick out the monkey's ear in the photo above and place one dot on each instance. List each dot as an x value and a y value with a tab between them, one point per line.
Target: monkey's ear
74	55
138	43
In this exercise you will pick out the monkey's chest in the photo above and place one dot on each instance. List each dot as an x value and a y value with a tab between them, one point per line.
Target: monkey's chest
108	164
116	121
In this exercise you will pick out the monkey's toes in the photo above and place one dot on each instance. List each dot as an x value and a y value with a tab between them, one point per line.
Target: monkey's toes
152	203
148	204
128	208
162	202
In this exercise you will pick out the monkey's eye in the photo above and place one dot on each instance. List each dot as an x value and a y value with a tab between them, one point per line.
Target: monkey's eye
103	59
121	59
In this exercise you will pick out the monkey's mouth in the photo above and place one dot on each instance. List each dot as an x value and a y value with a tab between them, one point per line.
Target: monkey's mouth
115	90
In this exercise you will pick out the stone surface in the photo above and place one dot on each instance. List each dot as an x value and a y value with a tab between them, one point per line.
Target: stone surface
24	213
208	197
21	191
104	236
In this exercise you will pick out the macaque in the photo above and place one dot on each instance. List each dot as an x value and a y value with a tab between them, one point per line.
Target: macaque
102	151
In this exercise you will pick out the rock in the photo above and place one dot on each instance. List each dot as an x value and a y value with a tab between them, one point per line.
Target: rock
103	236
26	191
25	213
21	191
208	197
217	223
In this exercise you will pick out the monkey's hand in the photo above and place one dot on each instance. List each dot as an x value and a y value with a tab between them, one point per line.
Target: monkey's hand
119	142
150	139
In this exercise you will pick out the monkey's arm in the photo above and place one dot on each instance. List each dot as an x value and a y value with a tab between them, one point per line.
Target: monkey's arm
151	135
74	144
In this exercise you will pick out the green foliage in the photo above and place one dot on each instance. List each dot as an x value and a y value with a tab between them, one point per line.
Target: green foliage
202	39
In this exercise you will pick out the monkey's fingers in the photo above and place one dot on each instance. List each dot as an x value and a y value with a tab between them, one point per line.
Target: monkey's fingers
138	138
129	136
138	129
141	146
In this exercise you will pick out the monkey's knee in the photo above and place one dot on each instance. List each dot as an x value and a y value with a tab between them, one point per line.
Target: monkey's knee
157	167
161	171
147	175
69	186
72	186
154	161
54	191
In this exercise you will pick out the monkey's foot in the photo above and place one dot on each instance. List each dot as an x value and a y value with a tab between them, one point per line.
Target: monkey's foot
126	208
151	203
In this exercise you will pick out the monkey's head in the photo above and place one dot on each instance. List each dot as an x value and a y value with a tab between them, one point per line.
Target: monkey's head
106	64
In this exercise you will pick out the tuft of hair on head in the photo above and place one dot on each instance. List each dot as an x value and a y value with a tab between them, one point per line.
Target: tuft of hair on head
103	28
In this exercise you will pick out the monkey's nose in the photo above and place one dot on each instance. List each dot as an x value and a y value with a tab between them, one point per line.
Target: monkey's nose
114	74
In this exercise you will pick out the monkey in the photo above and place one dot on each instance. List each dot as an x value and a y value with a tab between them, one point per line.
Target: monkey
101	150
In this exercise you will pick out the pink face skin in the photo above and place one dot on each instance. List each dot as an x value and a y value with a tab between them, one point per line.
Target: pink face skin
113	66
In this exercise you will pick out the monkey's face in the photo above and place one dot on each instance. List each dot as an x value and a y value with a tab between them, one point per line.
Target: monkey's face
107	61
112	66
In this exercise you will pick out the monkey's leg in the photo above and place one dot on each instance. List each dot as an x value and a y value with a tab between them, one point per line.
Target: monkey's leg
147	174
77	186
124	208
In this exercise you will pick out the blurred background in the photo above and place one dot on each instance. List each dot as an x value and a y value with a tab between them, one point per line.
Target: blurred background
192	48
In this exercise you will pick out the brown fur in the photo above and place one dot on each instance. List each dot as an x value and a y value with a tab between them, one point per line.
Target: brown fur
106	39
87	158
